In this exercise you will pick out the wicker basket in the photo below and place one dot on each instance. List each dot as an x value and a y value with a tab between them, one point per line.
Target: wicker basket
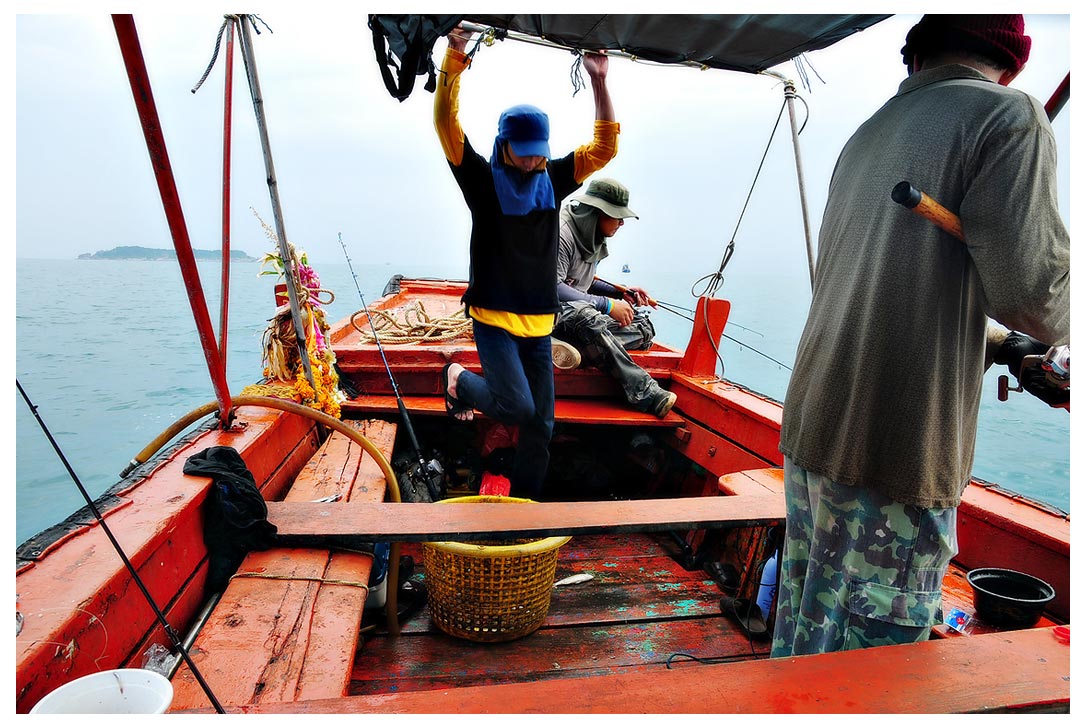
490	591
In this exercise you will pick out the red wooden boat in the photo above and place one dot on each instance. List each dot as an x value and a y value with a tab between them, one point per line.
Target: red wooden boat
665	514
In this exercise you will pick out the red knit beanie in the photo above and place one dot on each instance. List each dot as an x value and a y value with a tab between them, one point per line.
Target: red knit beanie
999	37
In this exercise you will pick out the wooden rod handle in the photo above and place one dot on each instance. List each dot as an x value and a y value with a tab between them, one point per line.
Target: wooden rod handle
908	196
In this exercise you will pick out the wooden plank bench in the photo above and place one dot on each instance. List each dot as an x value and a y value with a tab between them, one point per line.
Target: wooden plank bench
286	627
413	522
569	411
1024	671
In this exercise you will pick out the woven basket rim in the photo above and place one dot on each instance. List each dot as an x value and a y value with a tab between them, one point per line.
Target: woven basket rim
481	551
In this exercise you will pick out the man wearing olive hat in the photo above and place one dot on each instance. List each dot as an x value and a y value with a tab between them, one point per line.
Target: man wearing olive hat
598	322
880	417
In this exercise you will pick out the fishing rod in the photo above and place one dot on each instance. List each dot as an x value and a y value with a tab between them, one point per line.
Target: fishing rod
677	310
682	311
1055	364
430	472
170	633
669	307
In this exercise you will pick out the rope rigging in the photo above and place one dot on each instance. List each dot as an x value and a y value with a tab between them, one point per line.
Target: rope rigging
414	325
714	281
218	42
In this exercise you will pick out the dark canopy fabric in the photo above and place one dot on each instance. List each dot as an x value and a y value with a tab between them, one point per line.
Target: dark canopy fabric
749	43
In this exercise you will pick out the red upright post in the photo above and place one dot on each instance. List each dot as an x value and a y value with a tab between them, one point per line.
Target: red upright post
701	355
1059	97
171	202
228	101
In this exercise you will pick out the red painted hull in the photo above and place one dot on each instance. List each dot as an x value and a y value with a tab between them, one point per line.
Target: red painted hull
82	612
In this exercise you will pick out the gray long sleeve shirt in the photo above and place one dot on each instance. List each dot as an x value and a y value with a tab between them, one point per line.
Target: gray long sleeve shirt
888	374
576	276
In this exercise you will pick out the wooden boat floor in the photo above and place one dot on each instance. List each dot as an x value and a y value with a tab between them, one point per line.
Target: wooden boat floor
640	610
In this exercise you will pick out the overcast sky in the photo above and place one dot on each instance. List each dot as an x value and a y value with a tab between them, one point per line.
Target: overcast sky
350	159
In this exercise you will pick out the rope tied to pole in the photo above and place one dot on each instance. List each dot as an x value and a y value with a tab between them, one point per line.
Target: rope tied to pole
218	43
575	77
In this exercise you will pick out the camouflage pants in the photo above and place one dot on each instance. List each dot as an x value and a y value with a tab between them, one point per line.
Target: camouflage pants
858	569
604	344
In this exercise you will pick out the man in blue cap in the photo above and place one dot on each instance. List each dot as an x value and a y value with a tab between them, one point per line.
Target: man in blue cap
511	296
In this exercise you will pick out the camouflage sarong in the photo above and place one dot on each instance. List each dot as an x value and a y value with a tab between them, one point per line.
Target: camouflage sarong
858	569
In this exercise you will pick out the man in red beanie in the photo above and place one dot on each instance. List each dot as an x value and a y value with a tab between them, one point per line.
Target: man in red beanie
880	416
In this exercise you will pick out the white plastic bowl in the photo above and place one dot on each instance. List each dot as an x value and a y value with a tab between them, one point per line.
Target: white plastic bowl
127	690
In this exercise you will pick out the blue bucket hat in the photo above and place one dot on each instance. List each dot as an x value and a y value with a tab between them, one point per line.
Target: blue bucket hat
527	130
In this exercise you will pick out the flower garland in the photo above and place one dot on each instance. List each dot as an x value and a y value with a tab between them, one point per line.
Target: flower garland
282	363
322	363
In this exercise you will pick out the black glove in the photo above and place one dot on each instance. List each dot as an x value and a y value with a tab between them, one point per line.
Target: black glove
1016	347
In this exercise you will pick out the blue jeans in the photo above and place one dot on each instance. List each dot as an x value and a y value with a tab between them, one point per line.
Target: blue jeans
517	388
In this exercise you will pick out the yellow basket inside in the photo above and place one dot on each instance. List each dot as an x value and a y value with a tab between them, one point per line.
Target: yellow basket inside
490	591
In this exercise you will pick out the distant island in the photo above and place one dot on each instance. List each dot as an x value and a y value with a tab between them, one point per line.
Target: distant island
135	252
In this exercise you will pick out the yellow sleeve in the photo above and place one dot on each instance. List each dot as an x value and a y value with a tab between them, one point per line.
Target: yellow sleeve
447	106
594	156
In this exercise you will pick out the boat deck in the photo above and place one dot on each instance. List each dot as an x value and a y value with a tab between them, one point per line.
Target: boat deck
640	610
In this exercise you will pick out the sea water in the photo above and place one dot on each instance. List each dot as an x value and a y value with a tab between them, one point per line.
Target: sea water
108	352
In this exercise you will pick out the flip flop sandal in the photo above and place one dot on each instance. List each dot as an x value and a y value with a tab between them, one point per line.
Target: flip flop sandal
453	406
747	615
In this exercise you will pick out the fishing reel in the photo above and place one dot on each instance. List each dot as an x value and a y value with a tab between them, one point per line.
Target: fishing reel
423	482
1046	376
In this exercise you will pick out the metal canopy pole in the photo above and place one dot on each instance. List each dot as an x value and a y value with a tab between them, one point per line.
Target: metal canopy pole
790	99
246	42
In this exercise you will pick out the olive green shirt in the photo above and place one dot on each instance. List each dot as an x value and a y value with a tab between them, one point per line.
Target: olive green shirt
888	374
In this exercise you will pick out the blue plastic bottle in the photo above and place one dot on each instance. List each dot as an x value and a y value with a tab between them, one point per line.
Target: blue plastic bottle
767	587
378	576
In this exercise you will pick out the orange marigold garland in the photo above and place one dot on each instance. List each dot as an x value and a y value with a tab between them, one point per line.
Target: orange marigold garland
282	363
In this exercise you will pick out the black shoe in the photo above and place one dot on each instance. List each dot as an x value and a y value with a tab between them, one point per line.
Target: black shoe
724	575
747	615
410	597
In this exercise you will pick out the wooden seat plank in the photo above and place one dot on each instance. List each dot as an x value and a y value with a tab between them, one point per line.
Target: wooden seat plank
937	676
569	411
286	627
444	521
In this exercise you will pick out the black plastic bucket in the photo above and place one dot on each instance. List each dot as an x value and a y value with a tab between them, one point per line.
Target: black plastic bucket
1009	599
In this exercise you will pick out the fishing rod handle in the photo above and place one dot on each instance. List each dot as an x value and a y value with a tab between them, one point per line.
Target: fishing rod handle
623	290
908	196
